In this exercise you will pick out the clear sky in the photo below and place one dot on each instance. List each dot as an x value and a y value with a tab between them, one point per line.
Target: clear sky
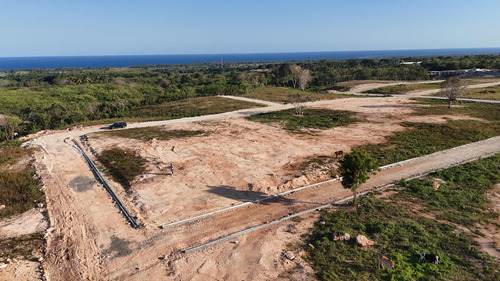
132	27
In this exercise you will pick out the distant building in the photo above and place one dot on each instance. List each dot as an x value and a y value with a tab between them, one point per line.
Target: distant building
435	74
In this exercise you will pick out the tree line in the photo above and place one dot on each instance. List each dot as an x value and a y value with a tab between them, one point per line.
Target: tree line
33	100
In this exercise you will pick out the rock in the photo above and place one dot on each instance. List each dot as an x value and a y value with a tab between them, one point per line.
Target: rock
311	246
290	256
435	185
40	259
3	265
364	242
438	180
345	237
234	242
2	207
322	222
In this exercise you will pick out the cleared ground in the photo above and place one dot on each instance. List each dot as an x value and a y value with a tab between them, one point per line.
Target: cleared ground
238	160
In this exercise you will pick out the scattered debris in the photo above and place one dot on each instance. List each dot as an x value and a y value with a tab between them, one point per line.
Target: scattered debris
344	237
290	255
364	242
435	185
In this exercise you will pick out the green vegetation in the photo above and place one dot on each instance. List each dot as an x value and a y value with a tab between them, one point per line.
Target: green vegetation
473	81
27	246
10	152
286	95
492	93
51	99
354	169
19	188
312	118
19	191
424	138
191	107
146	134
404	88
462	199
490	112
123	165
401	233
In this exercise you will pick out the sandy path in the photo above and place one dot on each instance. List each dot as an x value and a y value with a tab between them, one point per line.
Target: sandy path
259	101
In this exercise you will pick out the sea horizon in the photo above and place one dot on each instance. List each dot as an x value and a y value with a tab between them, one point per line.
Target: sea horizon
55	62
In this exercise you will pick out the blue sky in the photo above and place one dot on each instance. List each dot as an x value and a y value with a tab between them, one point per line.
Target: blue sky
110	27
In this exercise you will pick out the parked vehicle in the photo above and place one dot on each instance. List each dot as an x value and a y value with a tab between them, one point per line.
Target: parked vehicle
119	124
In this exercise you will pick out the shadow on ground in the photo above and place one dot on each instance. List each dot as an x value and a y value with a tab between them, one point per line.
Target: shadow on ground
247	195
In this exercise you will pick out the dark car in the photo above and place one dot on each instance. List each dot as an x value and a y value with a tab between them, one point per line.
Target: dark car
119	124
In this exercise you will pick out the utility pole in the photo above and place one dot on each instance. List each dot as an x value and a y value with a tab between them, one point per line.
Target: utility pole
221	63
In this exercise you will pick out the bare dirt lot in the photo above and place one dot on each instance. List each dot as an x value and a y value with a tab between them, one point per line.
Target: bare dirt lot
236	161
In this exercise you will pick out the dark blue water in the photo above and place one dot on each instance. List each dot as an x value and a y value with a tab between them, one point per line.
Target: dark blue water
120	61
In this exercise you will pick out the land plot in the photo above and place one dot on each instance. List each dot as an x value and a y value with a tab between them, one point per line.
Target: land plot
239	160
287	95
404	88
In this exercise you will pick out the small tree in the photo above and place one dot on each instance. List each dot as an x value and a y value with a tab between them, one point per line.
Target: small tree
453	88
295	71
298	101
305	77
354	169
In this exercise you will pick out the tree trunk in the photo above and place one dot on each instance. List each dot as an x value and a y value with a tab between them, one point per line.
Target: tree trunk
449	103
355	195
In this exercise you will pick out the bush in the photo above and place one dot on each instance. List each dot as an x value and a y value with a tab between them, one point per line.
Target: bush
123	165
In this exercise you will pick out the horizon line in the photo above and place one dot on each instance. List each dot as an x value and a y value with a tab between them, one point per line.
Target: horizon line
243	53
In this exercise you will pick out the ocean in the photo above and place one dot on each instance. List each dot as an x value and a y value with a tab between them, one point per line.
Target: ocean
7	63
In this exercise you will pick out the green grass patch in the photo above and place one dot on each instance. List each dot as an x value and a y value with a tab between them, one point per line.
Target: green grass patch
10	152
123	165
462	199
286	95
25	246
474	81
312	118
492	93
424	138
404	88
490	112
19	191
146	134
399	235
